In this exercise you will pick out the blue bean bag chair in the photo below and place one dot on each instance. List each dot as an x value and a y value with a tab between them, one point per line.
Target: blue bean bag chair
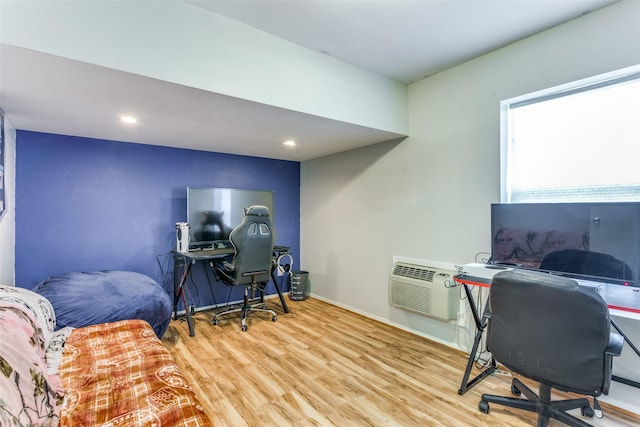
88	298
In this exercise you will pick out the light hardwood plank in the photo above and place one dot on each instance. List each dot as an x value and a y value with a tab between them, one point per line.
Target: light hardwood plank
322	365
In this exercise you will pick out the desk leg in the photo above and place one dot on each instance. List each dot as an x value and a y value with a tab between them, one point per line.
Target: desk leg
466	384
275	282
480	326
622	380
177	292
182	293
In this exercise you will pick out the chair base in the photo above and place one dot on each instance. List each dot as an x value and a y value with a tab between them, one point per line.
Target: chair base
246	308
543	405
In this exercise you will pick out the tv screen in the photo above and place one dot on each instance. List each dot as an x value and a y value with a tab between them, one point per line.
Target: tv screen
592	241
212	213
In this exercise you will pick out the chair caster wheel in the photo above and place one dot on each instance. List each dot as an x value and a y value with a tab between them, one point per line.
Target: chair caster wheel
514	390
244	328
215	321
274	318
587	412
483	406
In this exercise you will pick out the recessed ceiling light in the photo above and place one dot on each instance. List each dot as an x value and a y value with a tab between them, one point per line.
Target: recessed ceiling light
289	143
129	119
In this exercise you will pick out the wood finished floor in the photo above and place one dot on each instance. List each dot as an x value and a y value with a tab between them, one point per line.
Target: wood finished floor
321	365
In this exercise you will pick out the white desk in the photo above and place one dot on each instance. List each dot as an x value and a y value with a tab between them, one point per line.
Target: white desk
624	308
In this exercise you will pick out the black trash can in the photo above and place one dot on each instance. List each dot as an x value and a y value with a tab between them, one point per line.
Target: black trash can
299	286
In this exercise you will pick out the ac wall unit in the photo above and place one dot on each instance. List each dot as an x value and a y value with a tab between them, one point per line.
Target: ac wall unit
423	290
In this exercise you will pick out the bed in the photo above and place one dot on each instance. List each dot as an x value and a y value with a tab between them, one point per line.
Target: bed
89	298
109	374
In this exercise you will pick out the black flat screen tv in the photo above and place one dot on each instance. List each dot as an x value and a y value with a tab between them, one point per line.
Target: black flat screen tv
590	241
212	213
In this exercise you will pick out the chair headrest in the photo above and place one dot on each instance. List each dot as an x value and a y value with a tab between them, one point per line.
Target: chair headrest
256	210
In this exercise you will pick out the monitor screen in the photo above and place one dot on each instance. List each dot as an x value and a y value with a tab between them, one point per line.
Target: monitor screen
594	241
213	212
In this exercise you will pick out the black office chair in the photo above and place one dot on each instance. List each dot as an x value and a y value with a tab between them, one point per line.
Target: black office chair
253	241
546	328
587	263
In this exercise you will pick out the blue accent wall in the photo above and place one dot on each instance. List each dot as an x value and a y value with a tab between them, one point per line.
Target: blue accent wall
86	204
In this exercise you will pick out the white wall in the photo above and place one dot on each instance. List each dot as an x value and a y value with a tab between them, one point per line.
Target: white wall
8	219
178	42
429	197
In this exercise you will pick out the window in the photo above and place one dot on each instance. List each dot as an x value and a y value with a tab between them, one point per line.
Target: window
574	143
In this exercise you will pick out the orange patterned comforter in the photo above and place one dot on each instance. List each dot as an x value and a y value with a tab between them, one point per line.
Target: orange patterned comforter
120	374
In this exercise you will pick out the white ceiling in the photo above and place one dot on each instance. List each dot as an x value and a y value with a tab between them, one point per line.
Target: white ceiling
403	40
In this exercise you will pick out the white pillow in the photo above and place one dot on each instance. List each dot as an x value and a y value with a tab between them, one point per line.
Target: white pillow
56	349
37	304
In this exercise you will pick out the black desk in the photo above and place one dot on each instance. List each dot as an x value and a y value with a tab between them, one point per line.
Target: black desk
191	257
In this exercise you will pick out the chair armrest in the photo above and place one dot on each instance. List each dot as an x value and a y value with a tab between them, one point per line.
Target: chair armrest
614	348
255	273
616	342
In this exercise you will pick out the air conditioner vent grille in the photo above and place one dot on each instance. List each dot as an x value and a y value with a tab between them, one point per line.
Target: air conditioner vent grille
411	297
414	272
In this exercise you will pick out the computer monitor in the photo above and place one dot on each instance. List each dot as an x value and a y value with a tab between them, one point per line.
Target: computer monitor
212	213
594	241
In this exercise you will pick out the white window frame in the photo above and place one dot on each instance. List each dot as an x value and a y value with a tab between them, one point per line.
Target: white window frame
603	80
